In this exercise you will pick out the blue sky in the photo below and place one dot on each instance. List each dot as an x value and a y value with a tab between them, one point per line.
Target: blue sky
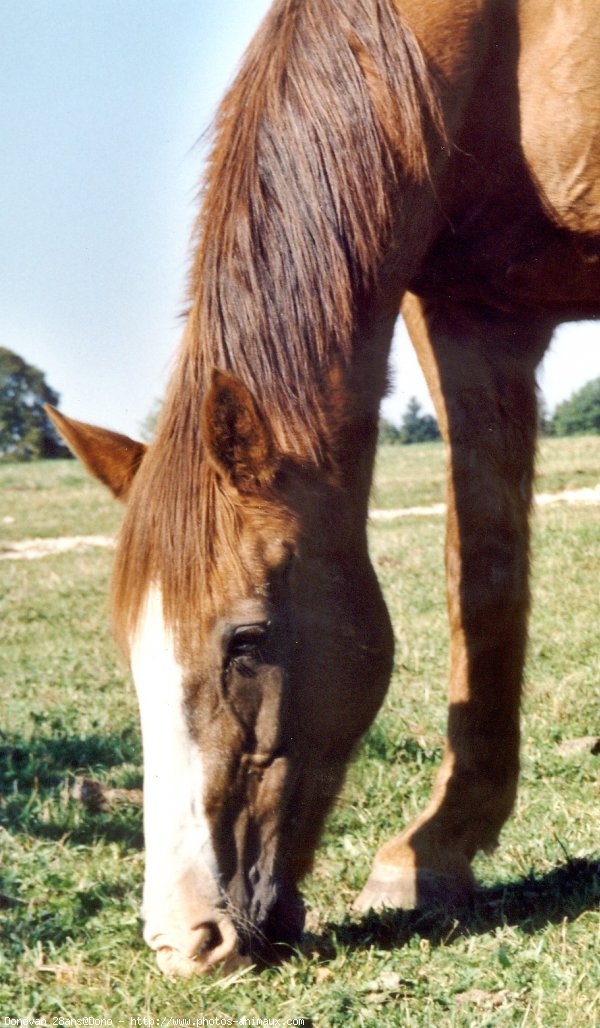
103	106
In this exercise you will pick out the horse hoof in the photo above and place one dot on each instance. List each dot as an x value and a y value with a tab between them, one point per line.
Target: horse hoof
395	888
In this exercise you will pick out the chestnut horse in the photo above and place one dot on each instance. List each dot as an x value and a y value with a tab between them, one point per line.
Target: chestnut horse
442	156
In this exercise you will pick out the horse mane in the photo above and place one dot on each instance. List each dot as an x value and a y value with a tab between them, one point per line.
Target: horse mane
333	100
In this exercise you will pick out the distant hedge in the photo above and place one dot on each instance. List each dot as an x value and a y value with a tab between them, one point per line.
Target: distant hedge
415	427
580	414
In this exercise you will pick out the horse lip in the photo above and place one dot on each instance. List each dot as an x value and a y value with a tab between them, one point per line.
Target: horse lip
283	927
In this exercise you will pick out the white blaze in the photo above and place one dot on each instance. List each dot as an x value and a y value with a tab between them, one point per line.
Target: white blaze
180	890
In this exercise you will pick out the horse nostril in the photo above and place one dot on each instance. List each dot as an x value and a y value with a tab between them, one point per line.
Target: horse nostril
224	944
207	937
212	942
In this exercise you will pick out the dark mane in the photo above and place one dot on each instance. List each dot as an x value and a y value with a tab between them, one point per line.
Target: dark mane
295	219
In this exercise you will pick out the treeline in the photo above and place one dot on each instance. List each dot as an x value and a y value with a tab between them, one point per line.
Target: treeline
414	428
579	415
26	433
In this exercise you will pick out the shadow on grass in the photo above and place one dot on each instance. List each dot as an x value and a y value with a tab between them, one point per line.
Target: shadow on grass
36	778
530	904
43	762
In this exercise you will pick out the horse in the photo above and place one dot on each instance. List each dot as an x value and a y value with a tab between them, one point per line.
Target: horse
441	157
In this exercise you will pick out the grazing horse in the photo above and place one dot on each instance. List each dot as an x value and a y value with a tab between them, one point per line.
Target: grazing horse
442	156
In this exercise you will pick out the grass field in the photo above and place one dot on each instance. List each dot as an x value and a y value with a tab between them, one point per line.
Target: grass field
528	950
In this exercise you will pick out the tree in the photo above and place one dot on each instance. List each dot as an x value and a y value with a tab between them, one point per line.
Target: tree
417	427
25	432
388	433
545	423
580	413
148	425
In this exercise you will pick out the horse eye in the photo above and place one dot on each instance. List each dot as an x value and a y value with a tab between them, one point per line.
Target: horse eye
245	640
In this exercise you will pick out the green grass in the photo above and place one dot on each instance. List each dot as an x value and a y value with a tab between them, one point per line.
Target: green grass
410	476
526	952
45	499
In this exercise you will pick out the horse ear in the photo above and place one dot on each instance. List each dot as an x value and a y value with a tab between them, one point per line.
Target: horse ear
109	456
236	433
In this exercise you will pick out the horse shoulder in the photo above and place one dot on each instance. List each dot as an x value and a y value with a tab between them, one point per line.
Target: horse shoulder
559	86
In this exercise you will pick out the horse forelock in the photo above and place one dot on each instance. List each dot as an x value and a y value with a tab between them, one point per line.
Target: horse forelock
331	101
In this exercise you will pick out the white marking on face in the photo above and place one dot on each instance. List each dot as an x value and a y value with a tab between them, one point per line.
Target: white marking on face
180	889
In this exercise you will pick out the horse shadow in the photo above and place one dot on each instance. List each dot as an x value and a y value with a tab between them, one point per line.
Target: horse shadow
530	903
37	778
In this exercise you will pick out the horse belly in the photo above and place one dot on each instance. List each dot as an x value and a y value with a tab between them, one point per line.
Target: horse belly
559	89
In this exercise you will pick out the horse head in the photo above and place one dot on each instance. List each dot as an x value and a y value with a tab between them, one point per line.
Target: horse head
252	696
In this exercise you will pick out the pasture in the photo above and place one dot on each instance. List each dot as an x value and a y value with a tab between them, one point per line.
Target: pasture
528	949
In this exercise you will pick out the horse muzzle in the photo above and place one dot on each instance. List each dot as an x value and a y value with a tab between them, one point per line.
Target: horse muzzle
204	947
198	939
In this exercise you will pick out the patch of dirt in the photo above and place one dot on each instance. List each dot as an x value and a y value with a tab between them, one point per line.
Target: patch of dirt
586	495
482	998
97	797
586	744
407	512
32	549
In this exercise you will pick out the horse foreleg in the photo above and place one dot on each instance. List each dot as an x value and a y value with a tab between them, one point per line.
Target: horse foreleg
480	367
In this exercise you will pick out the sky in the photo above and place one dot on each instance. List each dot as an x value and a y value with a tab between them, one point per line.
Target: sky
104	103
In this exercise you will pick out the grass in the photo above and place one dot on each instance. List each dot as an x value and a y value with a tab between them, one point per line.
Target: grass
42	500
526	952
410	476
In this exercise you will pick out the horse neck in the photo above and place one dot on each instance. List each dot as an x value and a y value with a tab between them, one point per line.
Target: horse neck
331	421
303	202
352	404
